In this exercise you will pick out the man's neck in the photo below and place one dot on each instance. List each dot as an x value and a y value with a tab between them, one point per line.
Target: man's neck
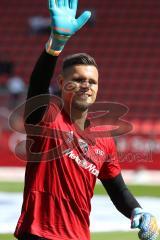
78	117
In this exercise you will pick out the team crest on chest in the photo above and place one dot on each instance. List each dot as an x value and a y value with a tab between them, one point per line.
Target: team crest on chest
83	145
70	136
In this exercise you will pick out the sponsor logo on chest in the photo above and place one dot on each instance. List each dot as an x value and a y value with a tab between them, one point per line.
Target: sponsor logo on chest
82	162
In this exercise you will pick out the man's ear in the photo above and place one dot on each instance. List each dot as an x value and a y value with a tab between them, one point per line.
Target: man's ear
60	81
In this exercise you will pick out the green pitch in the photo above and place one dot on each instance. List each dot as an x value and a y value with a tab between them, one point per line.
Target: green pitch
137	190
115	236
98	236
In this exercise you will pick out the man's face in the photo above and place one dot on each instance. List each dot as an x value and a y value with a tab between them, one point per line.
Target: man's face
79	86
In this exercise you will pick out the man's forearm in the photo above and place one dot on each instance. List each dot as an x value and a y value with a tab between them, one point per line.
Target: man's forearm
42	75
39	84
121	197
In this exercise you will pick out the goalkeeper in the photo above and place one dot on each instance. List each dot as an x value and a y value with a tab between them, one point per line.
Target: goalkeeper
59	184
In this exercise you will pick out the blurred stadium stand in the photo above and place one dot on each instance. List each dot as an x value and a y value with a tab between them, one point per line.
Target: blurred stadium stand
124	37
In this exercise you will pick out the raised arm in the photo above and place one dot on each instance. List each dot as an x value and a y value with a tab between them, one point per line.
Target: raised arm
63	26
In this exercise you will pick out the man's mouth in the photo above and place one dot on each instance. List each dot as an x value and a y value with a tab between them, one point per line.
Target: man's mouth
83	95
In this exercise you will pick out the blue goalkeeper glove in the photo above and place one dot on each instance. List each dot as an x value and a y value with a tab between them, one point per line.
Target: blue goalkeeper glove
146	223
63	23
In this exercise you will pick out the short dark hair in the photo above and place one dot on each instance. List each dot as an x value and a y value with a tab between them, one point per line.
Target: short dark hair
78	59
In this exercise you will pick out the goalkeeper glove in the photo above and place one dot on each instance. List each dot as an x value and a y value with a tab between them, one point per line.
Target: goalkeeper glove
146	223
63	23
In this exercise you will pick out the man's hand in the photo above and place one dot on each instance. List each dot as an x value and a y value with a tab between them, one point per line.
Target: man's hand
146	223
63	13
63	23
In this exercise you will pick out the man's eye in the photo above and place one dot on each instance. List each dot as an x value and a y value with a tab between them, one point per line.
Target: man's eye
77	80
93	82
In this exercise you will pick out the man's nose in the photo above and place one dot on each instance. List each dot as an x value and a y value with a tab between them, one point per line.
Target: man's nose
85	84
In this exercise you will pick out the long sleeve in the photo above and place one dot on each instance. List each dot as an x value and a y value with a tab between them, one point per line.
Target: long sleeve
39	84
121	197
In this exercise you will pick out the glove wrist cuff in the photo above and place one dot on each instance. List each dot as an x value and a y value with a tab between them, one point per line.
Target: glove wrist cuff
56	43
136	211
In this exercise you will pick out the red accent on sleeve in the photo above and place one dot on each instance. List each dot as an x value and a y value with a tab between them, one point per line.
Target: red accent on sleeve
111	166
